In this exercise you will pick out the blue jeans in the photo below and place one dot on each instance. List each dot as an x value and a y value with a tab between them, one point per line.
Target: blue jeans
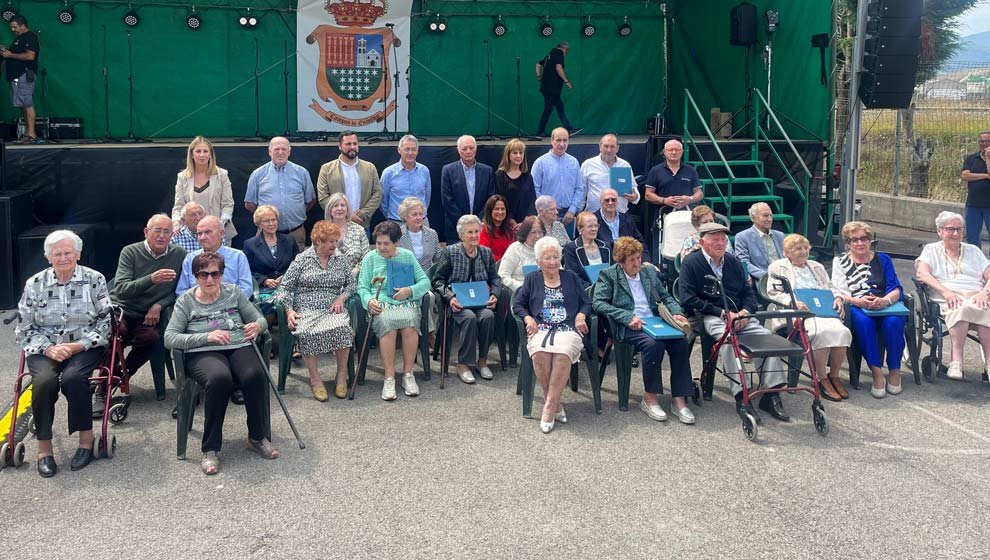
976	218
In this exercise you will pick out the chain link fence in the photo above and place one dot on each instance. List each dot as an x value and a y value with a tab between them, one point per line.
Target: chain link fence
919	152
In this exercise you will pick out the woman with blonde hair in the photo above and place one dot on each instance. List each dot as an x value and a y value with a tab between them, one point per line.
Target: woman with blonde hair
204	182
514	182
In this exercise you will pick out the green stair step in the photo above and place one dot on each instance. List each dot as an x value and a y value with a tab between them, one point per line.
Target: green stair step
731	162
768	198
745	218
737	180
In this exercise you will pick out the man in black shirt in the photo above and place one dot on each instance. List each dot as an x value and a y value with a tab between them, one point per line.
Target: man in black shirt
550	74
22	69
673	183
977	180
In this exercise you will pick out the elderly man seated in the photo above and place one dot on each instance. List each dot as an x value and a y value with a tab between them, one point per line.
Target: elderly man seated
759	245
236	270
613	224
147	273
698	298
185	234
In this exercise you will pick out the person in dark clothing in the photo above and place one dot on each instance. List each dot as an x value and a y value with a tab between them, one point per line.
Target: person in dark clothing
977	181
550	73
22	69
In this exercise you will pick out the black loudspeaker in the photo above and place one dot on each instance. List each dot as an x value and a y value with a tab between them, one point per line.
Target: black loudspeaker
15	218
742	24
31	248
890	56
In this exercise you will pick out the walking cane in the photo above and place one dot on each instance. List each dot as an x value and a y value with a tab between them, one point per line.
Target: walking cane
380	280
281	403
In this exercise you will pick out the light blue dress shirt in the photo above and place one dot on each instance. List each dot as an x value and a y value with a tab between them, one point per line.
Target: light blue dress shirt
469	181
559	177
399	183
613	226
236	271
288	188
641	304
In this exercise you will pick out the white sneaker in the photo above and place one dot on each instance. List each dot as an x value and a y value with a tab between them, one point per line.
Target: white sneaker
955	370
409	385
653	411
388	390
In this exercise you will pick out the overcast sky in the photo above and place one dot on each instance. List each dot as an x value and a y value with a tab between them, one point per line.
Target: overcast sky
976	20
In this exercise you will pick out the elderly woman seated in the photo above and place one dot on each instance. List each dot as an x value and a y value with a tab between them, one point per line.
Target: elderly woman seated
520	253
468	261
586	249
314	291
867	280
216	325
64	329
353	239
627	292
699	215
269	254
829	336
546	209
395	305
958	278
554	306
424	244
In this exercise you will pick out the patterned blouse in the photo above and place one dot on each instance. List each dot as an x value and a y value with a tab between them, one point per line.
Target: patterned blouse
354	244
553	313
53	313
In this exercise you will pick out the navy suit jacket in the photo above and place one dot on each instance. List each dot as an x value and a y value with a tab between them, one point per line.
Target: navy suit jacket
626	229
263	265
453	193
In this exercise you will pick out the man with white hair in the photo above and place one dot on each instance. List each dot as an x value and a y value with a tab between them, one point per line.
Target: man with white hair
596	173
147	273
235	264
672	182
185	235
405	178
465	186
284	185
759	245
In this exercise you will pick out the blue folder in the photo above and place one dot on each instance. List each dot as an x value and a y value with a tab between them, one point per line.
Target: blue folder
527	268
398	275
819	302
897	309
659	329
621	179
592	271
471	295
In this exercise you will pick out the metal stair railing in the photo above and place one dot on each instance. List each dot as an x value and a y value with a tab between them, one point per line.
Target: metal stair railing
802	187
688	139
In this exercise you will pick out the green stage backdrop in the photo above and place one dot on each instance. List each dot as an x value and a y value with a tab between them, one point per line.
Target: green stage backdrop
190	82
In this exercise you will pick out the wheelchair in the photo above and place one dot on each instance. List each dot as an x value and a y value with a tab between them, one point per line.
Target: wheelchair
932	331
760	346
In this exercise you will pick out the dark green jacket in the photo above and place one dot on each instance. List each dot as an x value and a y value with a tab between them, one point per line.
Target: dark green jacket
613	297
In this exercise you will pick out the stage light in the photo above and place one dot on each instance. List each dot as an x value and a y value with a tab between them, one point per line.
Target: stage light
625	29
500	29
248	20
589	28
8	13
131	18
193	20
65	15
438	25
546	28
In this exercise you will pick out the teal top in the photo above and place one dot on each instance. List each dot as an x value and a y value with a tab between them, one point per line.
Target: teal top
192	321
375	265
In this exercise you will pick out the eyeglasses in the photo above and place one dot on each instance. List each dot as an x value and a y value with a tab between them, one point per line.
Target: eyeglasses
862	239
270	221
161	231
607	200
214	274
953	230
549	258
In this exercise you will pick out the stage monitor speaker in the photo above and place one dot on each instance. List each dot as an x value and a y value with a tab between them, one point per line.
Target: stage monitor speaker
31	248
742	24
890	56
15	218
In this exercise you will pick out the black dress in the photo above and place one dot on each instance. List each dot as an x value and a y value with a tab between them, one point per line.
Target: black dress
519	192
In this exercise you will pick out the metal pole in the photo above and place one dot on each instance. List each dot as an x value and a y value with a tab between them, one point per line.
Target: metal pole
897	155
851	149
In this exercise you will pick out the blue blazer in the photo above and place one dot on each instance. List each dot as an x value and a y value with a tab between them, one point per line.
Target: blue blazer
626	229
263	265
529	298
576	258
752	253
453	194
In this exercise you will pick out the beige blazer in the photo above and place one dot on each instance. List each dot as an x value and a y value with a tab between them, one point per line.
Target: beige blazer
783	267
217	200
331	181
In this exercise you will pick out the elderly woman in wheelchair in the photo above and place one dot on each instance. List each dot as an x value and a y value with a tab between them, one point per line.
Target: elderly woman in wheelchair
957	277
828	335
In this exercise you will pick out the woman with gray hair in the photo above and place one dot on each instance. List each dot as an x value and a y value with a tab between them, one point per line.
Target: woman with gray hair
423	242
468	261
353	238
63	329
957	275
546	209
554	306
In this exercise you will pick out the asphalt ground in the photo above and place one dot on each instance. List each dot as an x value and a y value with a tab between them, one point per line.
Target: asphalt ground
459	473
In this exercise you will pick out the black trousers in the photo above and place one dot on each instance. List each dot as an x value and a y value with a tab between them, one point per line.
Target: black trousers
551	102
141	338
653	351
72	377
216	371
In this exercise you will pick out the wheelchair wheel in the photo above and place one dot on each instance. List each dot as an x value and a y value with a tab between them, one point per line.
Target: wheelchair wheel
696	392
821	421
749	427
32	427
19	454
5	458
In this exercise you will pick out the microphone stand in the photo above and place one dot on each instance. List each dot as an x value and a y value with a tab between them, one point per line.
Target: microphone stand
106	92
385	134
488	135
131	137
519	131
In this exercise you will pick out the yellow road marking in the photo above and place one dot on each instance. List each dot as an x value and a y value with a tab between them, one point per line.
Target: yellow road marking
22	406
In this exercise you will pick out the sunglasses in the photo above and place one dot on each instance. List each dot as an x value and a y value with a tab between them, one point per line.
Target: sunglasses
203	275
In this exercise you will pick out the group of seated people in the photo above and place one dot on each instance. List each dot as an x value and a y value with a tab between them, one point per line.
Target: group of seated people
222	299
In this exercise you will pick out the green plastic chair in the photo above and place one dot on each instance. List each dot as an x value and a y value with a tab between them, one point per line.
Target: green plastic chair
287	342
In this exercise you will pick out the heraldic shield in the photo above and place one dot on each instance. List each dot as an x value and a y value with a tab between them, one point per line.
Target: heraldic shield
354	62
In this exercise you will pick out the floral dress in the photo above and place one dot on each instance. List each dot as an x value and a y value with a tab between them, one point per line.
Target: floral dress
309	289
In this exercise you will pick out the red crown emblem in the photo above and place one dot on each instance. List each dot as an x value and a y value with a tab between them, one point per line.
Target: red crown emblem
356	13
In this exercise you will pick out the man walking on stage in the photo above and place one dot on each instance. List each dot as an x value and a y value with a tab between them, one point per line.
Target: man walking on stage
550	74
22	69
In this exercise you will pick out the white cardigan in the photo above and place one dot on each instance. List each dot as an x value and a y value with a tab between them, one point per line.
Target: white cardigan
510	268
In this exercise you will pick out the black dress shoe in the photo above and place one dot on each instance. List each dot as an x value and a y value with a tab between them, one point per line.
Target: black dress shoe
47	467
237	397
771	403
83	457
175	412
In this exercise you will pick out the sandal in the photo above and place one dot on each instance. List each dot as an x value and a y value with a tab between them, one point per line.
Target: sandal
263	448
210	463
